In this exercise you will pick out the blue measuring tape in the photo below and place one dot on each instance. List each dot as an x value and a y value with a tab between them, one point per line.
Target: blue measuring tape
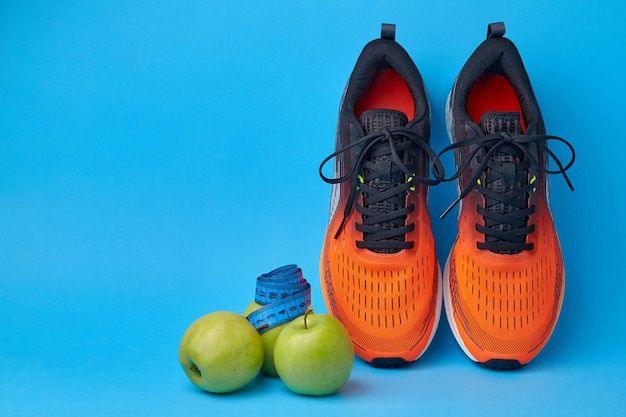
284	294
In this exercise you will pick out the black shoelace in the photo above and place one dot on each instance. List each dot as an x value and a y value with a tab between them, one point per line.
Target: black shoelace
384	229
503	176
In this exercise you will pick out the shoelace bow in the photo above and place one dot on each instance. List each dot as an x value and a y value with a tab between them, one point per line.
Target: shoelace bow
514	237
368	146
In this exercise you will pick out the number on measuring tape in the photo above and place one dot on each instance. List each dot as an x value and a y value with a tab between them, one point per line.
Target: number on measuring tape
284	294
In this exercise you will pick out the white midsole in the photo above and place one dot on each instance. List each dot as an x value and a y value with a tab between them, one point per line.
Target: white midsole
449	310
437	312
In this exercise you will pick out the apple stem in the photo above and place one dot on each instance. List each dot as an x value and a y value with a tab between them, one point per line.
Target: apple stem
309	310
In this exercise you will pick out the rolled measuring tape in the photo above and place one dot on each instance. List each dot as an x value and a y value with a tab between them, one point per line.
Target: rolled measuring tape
284	294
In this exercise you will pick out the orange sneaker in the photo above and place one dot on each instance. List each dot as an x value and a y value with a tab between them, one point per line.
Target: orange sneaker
379	271
504	278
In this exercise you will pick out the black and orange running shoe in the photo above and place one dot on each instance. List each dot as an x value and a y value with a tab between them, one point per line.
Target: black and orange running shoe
379	271
504	278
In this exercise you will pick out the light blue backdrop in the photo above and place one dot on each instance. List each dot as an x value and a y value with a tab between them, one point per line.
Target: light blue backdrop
156	156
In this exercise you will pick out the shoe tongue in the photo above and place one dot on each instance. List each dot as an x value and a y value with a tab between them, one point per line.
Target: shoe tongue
381	174
506	163
501	122
380	155
376	120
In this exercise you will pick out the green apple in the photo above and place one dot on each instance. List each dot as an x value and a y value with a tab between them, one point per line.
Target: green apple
269	338
221	352
314	354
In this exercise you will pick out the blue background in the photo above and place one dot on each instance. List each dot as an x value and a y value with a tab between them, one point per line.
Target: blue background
156	156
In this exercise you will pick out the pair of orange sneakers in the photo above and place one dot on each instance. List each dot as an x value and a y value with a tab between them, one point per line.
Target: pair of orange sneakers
502	285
